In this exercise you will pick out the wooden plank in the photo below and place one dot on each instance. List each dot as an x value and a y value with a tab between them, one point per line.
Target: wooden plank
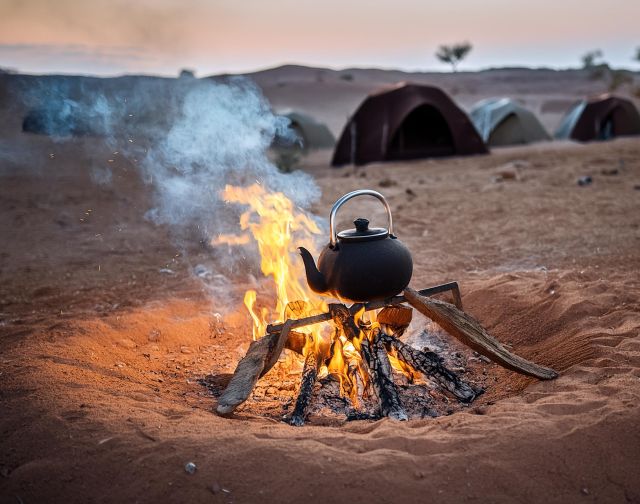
471	333
260	358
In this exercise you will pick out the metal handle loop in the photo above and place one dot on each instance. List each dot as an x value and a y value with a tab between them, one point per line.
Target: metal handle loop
347	197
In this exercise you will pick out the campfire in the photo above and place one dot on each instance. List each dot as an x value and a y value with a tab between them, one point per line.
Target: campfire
357	339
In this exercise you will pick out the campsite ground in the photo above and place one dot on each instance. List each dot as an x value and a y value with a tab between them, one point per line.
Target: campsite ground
105	330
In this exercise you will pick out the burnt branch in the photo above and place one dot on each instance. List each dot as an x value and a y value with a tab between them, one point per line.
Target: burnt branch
471	333
343	318
379	367
431	365
309	375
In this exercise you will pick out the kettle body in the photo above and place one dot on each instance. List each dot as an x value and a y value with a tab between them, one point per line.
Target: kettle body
360	264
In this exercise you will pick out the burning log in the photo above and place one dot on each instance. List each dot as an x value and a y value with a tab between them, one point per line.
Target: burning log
260	358
379	367
343	318
375	356
471	333
431	365
296	342
309	375
396	317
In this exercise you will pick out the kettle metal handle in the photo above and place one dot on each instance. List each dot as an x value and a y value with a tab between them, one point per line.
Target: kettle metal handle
347	197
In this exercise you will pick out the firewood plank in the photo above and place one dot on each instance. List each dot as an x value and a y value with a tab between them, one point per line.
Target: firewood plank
260	358
466	329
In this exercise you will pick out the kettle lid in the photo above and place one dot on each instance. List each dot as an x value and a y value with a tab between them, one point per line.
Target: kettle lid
362	232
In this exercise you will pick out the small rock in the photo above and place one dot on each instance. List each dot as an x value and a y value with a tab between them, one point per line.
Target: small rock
585	180
166	271
584	491
610	171
190	468
202	271
154	335
507	175
127	343
185	350
387	182
410	192
120	364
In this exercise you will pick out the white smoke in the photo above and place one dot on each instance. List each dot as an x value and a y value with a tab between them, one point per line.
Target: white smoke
220	136
189	138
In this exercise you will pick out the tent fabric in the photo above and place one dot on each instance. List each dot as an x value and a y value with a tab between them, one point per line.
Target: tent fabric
600	118
406	121
502	121
312	134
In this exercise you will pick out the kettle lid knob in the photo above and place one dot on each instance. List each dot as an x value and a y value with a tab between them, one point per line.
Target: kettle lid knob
361	224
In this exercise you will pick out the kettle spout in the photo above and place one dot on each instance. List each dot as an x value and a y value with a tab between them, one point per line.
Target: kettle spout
315	279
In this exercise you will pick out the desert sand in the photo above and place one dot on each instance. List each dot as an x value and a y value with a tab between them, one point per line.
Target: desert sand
105	332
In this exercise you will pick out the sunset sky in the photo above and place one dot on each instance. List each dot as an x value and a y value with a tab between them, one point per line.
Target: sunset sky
109	37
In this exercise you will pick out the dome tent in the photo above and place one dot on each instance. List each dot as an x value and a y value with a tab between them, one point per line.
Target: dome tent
502	121
309	133
406	121
600	118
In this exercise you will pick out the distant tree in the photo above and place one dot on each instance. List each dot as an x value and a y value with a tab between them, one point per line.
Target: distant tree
187	74
590	59
453	54
595	65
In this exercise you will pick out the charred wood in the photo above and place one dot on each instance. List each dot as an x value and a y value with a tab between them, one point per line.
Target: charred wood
431	365
309	375
343	318
471	333
374	354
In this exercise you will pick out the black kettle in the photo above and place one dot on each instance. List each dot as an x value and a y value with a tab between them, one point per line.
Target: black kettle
361	264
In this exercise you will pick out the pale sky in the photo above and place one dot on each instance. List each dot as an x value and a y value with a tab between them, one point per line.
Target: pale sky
108	37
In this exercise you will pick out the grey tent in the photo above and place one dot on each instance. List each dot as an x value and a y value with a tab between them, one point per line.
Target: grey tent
310	134
502	121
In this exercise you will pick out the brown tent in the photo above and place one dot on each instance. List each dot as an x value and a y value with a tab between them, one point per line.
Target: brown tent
600	118
408	121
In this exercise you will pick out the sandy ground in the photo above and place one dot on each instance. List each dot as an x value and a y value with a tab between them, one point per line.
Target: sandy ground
105	332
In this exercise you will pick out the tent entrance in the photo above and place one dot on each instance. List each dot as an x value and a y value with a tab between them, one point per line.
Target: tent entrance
423	133
606	127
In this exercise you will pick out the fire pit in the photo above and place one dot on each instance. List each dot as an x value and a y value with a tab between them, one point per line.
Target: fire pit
359	345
